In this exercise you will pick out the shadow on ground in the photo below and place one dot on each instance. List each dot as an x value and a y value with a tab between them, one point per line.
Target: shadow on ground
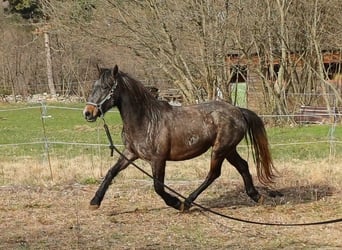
237	198
287	195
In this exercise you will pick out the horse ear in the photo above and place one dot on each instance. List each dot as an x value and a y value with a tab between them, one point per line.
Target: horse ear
115	70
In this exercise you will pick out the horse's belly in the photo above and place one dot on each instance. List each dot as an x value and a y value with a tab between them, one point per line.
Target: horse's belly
188	148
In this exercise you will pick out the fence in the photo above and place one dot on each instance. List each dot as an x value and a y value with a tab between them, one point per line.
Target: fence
54	139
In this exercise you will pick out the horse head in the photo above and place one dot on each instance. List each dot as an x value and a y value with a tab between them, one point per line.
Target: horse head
102	97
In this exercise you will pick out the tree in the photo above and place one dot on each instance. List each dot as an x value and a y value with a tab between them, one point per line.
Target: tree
31	10
187	40
290	35
28	9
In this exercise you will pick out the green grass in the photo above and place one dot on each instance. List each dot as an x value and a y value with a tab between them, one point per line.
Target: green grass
65	124
305	142
23	126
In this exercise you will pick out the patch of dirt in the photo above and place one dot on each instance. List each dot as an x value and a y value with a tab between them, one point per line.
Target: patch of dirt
132	216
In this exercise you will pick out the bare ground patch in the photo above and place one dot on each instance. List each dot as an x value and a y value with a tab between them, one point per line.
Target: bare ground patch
132	216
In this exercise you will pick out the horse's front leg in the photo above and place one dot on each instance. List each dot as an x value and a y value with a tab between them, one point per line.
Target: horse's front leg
121	164
158	169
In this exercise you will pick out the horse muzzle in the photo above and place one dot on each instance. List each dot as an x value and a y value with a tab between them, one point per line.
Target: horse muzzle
91	113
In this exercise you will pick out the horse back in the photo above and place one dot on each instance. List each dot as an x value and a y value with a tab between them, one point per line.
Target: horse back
194	129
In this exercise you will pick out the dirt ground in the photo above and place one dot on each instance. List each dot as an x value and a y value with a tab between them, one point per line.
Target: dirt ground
132	216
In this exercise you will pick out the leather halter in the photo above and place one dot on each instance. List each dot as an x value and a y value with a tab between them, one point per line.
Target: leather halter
108	96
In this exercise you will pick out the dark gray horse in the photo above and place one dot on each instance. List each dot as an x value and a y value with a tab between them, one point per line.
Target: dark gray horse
157	132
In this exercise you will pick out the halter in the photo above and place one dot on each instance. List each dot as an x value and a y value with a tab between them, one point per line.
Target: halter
108	96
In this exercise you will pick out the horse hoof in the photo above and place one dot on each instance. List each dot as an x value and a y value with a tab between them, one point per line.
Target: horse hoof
93	207
261	200
184	207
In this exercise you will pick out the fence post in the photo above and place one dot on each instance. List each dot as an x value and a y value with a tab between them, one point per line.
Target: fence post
331	135
44	115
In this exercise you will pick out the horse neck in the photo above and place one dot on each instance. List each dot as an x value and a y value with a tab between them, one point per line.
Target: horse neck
136	106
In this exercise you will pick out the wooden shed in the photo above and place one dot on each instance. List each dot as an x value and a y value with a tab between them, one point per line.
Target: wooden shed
253	71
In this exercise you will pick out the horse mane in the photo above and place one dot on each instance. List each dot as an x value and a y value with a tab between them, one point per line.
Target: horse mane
141	97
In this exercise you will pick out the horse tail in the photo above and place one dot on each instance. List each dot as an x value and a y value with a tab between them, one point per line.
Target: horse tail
260	147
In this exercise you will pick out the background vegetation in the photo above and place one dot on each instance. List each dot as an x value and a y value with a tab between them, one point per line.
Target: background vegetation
182	44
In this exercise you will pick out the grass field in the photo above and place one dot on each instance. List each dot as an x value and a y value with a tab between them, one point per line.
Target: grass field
23	124
47	208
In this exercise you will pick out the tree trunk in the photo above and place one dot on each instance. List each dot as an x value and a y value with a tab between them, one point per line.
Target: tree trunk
49	64
280	84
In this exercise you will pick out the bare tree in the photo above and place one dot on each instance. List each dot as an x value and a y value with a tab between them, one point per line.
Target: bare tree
289	38
49	71
187	40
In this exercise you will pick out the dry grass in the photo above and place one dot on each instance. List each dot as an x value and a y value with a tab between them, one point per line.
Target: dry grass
39	213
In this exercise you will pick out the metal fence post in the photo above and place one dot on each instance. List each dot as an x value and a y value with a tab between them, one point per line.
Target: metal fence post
44	115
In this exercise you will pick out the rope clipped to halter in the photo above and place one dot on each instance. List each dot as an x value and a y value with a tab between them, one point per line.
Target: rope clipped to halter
112	148
111	144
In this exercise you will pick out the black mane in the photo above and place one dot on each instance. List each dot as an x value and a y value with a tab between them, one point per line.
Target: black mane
143	99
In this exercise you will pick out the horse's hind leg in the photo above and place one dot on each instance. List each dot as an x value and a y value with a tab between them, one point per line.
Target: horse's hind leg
242	167
214	173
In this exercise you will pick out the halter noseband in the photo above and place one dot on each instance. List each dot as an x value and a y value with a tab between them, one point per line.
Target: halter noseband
108	96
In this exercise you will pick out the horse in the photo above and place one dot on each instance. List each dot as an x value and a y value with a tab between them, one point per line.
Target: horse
155	131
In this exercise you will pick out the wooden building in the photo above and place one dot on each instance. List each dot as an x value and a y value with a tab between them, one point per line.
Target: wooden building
250	76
